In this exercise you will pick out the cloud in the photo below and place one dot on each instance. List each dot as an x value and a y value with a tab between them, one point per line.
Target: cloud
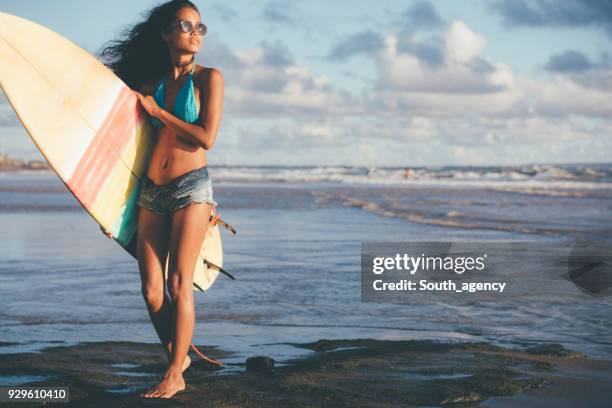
448	63
555	13
431	53
351	140
462	81
277	12
365	42
288	133
575	61
447	75
579	68
266	81
462	44
419	140
277	55
563	96
422	14
224	11
569	61
599	81
450	78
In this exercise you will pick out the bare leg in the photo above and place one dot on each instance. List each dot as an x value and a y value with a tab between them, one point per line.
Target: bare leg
152	247
186	362
163	321
153	233
162	318
189	227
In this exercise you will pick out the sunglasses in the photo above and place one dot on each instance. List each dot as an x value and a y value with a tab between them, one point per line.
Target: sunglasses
187	27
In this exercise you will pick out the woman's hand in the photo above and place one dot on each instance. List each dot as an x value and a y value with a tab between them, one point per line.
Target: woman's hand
105	232
149	103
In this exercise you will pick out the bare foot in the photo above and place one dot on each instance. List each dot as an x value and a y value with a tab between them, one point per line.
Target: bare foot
186	363
172	383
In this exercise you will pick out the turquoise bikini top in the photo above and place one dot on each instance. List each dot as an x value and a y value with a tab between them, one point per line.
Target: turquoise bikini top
185	104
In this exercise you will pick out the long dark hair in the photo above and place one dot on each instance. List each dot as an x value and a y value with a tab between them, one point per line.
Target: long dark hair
141	55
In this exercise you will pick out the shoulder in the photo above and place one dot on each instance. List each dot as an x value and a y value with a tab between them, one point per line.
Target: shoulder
216	75
208	76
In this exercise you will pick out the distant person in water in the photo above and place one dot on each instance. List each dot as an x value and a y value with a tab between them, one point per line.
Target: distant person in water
184	101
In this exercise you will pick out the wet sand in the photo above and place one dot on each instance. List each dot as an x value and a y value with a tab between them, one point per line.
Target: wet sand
338	373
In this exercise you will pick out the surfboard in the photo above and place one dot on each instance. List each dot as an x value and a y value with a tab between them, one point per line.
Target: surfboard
90	128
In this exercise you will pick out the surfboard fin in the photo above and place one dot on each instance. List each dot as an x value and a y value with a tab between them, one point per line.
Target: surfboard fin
216	219
220	269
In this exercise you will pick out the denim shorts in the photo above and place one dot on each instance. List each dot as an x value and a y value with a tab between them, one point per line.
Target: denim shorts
194	186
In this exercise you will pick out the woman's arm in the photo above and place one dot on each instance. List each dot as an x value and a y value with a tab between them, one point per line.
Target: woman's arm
203	134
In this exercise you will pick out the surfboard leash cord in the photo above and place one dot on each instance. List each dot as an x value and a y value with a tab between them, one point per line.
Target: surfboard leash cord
203	356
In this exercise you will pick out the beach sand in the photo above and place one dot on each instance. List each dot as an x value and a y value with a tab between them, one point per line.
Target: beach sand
338	373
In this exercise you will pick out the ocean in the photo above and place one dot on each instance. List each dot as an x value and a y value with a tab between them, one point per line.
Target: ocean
296	257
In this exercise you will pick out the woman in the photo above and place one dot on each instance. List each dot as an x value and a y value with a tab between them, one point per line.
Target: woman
176	197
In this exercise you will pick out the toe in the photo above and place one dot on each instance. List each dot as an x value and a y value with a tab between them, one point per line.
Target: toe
168	394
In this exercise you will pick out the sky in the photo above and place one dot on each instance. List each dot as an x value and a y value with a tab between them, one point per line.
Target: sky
386	83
